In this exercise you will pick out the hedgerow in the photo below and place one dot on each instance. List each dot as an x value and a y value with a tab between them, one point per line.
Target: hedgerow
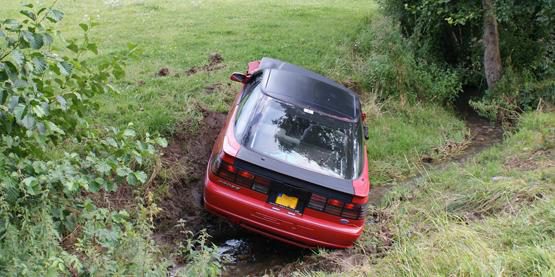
52	161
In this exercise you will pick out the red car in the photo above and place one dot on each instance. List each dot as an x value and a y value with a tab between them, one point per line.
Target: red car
290	162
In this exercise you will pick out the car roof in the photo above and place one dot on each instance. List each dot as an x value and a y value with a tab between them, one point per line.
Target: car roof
296	85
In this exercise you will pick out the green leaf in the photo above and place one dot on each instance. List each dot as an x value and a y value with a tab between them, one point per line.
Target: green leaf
112	142
34	40
29	14
129	133
12	25
132	180
103	168
47	39
62	101
93	48
55	15
84	26
118	71
70	185
65	68
14	100
40	65
54	128
97	184
73	47
28	122
18	57
162	142
20	111
123	171
31	185
38	111
141	176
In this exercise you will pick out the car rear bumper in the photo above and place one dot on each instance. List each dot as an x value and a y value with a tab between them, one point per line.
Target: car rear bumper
275	222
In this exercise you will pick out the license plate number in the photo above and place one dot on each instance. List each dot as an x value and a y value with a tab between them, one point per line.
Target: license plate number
287	201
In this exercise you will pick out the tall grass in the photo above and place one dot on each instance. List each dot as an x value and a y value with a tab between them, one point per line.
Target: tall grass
492	217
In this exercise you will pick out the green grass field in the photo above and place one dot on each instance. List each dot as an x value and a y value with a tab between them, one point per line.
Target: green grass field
181	34
317	34
178	35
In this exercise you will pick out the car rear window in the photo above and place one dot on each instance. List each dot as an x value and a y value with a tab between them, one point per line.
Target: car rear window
303	137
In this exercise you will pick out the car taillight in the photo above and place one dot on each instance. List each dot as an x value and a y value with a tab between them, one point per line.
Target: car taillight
244	178
261	185
223	167
334	207
317	202
337	207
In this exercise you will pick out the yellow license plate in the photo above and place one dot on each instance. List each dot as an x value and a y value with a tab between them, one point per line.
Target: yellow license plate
287	201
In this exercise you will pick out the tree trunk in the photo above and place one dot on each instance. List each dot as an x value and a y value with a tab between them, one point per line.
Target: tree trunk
492	56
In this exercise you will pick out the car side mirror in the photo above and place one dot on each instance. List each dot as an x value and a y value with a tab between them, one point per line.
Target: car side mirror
238	77
365	130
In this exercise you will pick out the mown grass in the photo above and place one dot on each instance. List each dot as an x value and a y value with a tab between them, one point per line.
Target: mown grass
181	34
494	216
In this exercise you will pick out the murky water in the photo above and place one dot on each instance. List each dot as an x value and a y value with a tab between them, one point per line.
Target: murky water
251	254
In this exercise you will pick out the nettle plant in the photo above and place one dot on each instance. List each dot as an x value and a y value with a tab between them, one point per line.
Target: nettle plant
51	159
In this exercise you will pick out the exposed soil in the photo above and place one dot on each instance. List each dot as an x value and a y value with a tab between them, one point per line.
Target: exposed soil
184	161
215	62
163	72
247	254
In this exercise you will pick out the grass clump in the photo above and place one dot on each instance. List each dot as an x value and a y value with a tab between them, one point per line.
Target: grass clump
402	134
488	217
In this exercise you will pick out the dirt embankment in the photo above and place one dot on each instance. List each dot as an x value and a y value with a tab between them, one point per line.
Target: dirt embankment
184	165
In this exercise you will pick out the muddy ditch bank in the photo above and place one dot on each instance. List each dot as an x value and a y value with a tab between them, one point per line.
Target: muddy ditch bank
184	163
244	253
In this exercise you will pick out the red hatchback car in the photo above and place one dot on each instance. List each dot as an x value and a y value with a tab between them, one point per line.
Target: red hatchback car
290	162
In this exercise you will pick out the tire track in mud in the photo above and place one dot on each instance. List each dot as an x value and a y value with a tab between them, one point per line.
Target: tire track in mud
244	253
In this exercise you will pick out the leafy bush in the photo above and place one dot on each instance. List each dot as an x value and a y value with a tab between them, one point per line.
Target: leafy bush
450	33
393	68
51	159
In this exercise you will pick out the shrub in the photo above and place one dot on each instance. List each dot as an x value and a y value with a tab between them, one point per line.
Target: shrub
392	67
450	33
52	160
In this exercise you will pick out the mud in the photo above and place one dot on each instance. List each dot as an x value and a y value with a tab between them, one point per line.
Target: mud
184	162
246	254
215	62
163	72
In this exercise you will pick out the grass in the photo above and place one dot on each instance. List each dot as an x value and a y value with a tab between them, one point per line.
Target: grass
494	216
317	34
401	135
181	34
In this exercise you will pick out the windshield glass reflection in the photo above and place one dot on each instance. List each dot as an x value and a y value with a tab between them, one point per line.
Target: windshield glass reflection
303	138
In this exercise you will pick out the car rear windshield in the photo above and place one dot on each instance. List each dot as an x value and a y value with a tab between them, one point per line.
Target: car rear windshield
302	137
